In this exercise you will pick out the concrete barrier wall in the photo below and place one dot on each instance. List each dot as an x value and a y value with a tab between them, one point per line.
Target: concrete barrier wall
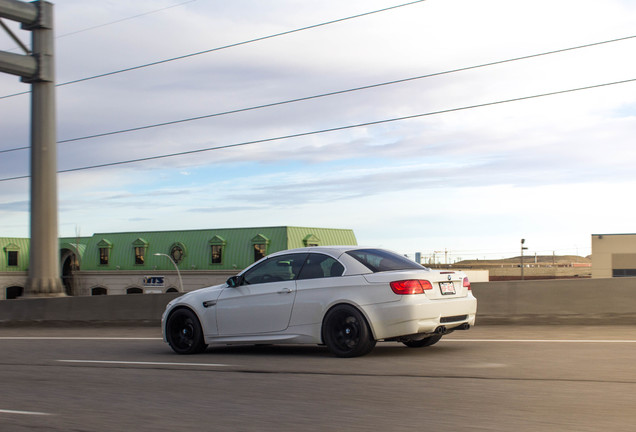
569	301
575	301
134	309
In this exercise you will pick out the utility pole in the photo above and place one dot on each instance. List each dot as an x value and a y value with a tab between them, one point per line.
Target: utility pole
522	249
434	256
37	68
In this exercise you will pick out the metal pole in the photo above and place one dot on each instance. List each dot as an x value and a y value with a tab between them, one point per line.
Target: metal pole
44	273
522	249
37	69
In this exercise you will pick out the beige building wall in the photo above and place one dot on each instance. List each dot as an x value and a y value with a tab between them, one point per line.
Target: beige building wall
612	252
150	282
119	282
11	280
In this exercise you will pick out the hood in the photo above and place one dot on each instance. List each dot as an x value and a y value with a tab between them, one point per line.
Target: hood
208	293
211	291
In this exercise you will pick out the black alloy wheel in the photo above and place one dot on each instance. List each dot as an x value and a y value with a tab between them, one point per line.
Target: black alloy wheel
184	333
346	332
431	340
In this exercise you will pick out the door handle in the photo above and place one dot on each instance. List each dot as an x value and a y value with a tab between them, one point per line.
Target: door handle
285	291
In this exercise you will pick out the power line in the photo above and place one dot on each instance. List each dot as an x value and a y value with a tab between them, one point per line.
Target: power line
334	129
333	93
258	39
14	149
117	21
124	19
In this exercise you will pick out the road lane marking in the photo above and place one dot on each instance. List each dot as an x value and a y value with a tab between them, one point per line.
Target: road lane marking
544	340
35	413
118	362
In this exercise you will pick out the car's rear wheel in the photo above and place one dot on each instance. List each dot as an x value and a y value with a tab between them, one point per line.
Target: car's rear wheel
346	333
183	332
431	340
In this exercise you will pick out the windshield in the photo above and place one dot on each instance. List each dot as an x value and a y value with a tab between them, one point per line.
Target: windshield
378	260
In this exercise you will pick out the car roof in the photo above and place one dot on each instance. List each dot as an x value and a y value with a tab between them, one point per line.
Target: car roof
330	250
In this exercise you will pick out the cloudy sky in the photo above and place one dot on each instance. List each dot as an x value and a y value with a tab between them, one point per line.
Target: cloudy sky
467	171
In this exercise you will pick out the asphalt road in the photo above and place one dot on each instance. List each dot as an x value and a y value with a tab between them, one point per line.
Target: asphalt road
490	378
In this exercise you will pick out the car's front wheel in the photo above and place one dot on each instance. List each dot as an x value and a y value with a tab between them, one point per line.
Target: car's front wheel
346	333
183	332
431	340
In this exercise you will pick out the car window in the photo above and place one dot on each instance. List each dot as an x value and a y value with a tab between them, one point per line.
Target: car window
276	269
378	260
320	266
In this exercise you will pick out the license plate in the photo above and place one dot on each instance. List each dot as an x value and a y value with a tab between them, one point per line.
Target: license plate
447	288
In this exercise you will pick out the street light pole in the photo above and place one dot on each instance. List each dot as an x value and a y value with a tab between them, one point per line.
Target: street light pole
522	249
175	266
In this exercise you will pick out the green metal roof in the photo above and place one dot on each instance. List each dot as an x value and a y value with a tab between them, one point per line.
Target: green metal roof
326	236
237	244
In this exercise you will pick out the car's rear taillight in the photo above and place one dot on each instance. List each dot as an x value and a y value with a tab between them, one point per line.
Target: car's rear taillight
466	283
410	286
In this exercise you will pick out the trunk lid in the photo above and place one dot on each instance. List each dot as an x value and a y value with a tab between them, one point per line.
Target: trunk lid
446	284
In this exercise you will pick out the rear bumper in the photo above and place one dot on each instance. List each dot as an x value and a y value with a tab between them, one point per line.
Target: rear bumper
420	315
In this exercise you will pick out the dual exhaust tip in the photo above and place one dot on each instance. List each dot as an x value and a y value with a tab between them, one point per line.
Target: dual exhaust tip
441	330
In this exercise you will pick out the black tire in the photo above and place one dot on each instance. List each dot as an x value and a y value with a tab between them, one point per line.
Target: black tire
183	332
431	340
346	333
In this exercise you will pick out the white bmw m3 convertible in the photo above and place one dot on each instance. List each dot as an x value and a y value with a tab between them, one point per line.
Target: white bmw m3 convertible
345	297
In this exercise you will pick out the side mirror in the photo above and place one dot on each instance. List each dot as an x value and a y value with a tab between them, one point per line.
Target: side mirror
234	281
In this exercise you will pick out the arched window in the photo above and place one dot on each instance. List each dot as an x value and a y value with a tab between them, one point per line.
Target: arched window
178	252
104	251
12	252
134	290
311	240
260	243
170	290
217	246
70	264
99	291
140	245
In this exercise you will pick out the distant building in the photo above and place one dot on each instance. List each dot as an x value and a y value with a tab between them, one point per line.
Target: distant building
613	255
126	263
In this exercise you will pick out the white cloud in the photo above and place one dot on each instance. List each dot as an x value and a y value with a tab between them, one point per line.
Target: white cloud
468	180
